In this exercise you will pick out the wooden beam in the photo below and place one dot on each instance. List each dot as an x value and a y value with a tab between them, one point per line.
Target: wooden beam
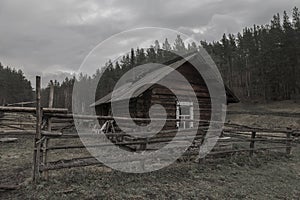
21	103
51	134
32	109
17	132
38	135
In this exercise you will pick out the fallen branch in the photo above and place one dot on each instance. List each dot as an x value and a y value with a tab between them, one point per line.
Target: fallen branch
9	187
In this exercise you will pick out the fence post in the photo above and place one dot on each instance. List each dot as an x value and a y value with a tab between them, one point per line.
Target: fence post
45	174
252	142
45	143
288	143
51	95
143	145
37	139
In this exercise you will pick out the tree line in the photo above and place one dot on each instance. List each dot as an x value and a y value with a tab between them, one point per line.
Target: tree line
262	63
14	87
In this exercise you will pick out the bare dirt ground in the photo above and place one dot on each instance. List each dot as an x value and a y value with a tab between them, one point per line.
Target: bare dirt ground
267	175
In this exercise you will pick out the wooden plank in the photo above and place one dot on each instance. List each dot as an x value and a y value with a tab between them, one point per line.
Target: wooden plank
244	128
21	103
32	109
51	134
18	123
17	132
8	140
13	127
61	120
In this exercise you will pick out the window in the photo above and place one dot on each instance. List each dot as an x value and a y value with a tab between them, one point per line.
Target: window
184	110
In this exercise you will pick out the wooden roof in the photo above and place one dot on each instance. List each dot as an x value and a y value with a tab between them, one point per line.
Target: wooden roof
135	89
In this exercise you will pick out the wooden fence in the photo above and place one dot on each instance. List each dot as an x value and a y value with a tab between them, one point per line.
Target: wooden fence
50	122
235	138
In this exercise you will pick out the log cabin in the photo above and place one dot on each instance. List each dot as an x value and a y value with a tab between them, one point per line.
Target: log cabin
146	95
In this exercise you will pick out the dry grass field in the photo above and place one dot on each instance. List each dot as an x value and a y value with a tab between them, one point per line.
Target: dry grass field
266	175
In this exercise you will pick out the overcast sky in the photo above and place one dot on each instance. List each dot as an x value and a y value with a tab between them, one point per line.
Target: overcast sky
51	38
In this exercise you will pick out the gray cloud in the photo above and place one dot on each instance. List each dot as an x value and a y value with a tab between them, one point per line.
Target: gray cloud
51	38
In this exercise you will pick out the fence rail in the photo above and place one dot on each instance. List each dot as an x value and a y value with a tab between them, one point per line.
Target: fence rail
280	114
254	137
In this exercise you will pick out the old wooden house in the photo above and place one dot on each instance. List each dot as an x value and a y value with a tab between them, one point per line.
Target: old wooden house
146	95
